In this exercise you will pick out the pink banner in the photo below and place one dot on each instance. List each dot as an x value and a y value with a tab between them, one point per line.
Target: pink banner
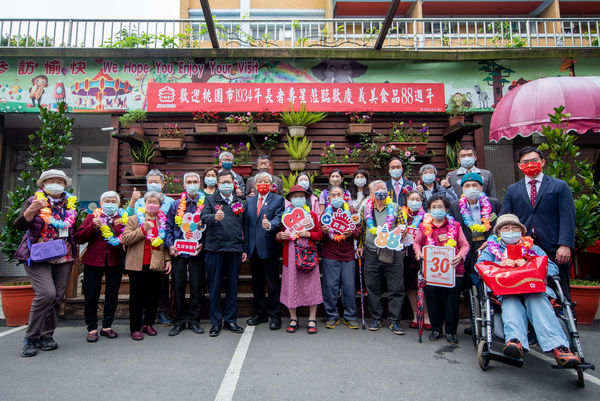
239	97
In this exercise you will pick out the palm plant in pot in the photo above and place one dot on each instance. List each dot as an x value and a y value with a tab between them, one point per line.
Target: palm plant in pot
297	121
141	155
298	149
206	122
16	302
132	121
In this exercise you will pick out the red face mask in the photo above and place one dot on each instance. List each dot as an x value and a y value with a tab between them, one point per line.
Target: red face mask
531	169
263	188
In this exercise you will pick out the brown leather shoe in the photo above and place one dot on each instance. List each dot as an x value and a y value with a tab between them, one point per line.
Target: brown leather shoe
137	335
149	330
566	358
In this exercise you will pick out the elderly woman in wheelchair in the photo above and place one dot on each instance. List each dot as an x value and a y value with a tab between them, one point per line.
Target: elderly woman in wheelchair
518	310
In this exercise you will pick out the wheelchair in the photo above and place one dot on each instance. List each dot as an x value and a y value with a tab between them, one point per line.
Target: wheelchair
486	325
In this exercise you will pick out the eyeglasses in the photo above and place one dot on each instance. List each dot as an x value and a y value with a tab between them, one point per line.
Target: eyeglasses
537	159
507	229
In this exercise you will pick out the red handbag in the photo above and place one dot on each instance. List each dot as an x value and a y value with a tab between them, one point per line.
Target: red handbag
527	279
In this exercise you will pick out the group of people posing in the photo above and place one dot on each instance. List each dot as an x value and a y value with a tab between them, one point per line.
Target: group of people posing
242	221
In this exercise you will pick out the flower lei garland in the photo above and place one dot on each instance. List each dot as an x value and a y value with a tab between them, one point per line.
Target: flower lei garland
162	226
486	212
329	210
290	208
416	220
389	220
46	213
107	233
452	233
237	208
182	207
526	243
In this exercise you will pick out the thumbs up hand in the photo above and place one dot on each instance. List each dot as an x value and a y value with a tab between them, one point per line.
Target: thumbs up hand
219	215
265	223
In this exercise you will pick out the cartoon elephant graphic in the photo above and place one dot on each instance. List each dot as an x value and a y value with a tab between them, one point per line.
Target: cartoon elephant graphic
338	71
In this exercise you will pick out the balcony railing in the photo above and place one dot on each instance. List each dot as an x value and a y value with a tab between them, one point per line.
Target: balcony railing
405	33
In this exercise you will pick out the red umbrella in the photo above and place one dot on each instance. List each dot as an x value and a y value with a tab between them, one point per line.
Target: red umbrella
524	109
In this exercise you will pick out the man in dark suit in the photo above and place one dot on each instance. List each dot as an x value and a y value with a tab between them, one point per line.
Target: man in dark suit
263	163
263	214
396	184
226	247
545	206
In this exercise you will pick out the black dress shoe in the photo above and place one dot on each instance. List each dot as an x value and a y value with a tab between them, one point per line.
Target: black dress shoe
47	344
30	348
275	324
435	335
195	327
256	320
177	328
215	331
233	327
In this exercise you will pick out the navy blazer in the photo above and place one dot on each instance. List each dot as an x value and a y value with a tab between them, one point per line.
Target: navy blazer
398	198
259	239
553	215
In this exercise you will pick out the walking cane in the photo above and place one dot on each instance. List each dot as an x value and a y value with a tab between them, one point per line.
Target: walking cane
362	294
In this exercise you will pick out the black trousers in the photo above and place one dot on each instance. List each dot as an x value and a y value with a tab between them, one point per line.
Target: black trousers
265	272
375	270
223	266
92	283
144	291
164	299
442	306
188	270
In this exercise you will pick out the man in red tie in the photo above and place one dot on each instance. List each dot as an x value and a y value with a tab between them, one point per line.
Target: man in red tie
545	206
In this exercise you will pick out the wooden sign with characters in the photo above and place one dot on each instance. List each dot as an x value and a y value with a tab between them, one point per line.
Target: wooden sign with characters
192	229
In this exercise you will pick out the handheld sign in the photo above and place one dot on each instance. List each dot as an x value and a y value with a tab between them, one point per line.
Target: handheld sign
192	229
339	221
297	220
437	267
390	239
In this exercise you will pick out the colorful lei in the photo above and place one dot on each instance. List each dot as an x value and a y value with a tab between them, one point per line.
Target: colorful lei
389	220
452	233
46	213
486	212
162	226
183	204
106	231
416	220
237	208
290	208
329	210
493	244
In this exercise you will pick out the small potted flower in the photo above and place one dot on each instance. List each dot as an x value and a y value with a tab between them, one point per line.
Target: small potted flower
241	161
298	149
173	184
141	155
347	163
404	136
170	136
266	122
206	122
132	122
456	114
238	123
16	302
360	123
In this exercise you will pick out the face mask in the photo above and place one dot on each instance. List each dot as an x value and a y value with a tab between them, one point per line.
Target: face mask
428	178
227	165
510	237
472	193
335	181
192	189
109	208
360	182
337	203
414	205
396	173
531	169
438	214
54	189
210	181
263	188
298	202
152	208
304	184
381	195
226	188
154	187
467	162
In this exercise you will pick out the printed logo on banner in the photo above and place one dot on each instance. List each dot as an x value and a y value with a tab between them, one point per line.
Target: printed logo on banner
390	240
166	94
437	266
297	220
192	229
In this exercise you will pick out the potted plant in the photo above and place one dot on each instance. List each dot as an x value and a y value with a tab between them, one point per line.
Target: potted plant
359	122
239	123
406	136
206	122
456	114
586	296
266	122
375	151
132	120
173	184
451	156
298	149
297	121
16	302
170	136
141	155
241	157
347	163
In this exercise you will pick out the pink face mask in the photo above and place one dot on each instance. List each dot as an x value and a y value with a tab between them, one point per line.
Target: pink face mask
152	208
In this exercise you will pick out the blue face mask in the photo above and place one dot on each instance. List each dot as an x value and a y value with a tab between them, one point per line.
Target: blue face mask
109	208
438	214
472	193
396	173
154	186
381	195
337	203
192	189
414	205
298	202
227	165
304	184
210	181
467	162
428	178
226	188
510	237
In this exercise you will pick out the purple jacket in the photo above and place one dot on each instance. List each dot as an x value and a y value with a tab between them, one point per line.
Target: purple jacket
35	227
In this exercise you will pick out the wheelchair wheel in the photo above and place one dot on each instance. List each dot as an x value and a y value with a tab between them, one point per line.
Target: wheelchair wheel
483	357
580	378
475	313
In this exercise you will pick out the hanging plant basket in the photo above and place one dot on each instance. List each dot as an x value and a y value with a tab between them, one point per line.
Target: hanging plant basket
233	128
267	128
586	299
139	169
297	165
206	128
297	131
170	143
16	303
420	147
346	168
360	128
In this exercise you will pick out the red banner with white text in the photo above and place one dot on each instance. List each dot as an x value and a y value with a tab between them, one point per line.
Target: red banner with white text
241	97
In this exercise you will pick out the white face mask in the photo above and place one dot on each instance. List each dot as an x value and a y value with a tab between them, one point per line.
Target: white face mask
360	182
54	189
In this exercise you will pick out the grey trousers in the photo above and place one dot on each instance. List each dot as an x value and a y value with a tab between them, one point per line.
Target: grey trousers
393	272
49	283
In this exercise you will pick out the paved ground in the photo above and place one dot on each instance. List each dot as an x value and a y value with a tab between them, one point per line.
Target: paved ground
339	364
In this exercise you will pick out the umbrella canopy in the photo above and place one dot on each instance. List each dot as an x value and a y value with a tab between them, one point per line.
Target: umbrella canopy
524	109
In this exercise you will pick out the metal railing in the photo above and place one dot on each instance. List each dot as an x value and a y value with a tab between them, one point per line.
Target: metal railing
405	33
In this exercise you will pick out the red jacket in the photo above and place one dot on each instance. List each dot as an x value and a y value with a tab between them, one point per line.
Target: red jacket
98	251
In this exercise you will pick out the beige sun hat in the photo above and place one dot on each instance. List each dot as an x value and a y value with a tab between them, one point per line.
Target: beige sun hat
506	219
53	173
